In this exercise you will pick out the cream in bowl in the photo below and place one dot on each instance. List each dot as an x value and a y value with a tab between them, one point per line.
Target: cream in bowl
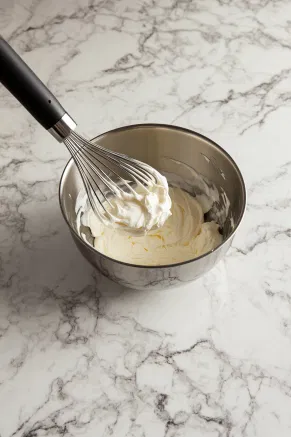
207	205
183	236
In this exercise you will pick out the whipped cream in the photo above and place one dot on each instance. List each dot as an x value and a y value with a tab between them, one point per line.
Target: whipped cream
140	209
181	237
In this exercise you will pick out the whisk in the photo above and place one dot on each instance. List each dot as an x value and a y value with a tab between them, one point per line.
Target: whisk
104	173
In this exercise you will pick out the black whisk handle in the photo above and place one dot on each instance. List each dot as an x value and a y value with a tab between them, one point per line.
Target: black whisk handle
28	89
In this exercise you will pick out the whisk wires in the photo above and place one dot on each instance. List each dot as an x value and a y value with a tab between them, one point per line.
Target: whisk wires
106	173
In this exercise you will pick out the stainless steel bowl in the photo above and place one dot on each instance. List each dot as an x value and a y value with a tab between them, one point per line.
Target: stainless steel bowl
172	150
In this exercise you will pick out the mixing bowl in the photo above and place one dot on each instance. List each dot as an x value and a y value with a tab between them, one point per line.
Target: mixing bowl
190	161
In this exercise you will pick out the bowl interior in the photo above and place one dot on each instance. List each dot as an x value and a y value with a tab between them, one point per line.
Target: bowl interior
188	159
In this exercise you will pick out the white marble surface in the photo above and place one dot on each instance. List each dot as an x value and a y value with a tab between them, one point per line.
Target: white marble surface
79	358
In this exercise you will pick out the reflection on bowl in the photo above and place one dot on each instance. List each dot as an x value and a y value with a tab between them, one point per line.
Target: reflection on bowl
189	161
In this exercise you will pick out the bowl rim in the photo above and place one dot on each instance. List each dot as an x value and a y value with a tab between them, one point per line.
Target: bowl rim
171	127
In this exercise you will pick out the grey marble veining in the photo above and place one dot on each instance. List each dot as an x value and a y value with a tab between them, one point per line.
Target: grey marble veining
79	356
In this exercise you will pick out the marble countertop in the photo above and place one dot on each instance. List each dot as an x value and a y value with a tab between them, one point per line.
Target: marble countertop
79	357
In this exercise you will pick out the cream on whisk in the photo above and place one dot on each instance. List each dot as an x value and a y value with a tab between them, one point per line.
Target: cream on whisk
144	208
